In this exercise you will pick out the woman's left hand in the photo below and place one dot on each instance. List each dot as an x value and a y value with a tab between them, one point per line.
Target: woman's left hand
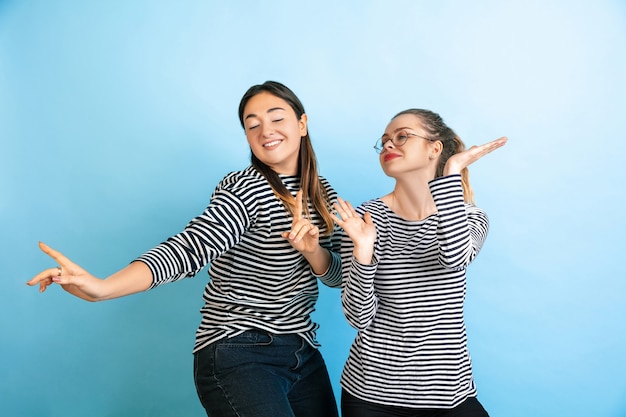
303	236
456	163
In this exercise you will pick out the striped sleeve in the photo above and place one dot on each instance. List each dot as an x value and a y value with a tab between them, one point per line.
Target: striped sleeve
205	238
411	346
462	228
358	296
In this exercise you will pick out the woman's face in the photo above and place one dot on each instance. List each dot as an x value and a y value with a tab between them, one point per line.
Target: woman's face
409	151
273	131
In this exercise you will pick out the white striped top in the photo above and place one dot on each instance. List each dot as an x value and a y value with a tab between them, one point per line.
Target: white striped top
257	279
411	346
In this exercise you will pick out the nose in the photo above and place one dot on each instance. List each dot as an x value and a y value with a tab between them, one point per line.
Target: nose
268	131
389	144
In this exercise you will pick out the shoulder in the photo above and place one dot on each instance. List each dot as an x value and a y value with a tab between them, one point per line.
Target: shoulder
248	174
332	194
476	212
375	207
242	181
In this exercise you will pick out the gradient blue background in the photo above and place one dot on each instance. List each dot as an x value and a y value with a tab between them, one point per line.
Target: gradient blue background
118	118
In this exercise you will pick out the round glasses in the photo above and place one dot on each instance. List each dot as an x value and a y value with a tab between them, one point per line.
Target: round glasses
398	139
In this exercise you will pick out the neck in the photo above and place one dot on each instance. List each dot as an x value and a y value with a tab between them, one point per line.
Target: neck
411	203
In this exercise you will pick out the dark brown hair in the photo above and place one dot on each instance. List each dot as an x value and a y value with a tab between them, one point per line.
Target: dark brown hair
312	188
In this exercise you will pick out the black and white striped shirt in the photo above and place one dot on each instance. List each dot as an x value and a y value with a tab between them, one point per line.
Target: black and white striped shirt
257	279
411	346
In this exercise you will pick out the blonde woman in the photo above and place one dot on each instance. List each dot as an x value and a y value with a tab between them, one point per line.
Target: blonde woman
404	261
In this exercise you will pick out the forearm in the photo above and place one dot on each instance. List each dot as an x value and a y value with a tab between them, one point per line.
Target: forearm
462	228
319	260
134	278
358	297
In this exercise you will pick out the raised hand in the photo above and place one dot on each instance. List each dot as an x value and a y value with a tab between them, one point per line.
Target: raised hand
362	231
461	160
303	236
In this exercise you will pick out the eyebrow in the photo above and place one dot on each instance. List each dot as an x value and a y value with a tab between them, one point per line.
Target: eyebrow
396	130
269	111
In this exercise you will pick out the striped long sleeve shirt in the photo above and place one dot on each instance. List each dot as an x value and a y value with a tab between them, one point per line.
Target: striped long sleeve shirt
411	345
257	279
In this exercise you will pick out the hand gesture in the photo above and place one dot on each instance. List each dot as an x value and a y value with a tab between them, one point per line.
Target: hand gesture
70	276
303	236
461	160
362	231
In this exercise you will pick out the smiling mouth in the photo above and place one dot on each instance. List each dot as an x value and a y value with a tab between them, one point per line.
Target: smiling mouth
272	143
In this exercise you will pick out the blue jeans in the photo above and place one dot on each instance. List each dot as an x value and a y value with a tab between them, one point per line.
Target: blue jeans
259	374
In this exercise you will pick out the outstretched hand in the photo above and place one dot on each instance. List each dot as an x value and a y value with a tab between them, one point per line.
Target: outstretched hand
456	163
69	275
303	236
361	231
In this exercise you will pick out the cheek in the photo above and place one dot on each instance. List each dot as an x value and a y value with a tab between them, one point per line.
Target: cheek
251	137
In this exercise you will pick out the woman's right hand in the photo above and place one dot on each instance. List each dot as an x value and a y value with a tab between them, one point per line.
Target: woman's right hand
134	278
69	275
362	231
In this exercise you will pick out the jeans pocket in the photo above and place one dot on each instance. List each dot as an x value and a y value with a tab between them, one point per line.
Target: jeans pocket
249	338
250	347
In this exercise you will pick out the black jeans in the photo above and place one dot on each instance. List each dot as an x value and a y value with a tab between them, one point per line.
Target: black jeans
352	406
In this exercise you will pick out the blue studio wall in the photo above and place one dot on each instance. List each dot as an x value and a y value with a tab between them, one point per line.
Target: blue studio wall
118	118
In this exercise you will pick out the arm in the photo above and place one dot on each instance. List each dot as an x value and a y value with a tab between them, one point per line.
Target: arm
462	228
134	278
358	294
182	255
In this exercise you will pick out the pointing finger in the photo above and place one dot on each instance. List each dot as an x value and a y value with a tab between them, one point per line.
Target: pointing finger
298	211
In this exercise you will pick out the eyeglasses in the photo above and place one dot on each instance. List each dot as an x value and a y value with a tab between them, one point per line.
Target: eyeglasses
398	139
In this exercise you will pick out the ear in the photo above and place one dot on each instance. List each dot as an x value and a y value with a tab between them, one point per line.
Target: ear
302	123
437	148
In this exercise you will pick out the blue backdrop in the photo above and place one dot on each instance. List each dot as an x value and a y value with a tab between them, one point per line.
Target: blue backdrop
118	118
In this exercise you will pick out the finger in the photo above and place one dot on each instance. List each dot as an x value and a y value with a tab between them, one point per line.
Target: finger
302	229
351	208
344	208
45	283
298	211
339	210
47	274
311	230
488	147
477	152
336	219
54	254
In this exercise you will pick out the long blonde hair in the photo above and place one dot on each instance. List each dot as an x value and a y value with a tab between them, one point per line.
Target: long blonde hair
437	130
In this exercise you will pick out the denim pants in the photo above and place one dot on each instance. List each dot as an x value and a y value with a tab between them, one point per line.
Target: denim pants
260	374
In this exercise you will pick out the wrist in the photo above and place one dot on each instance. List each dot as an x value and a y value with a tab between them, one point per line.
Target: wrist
363	255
